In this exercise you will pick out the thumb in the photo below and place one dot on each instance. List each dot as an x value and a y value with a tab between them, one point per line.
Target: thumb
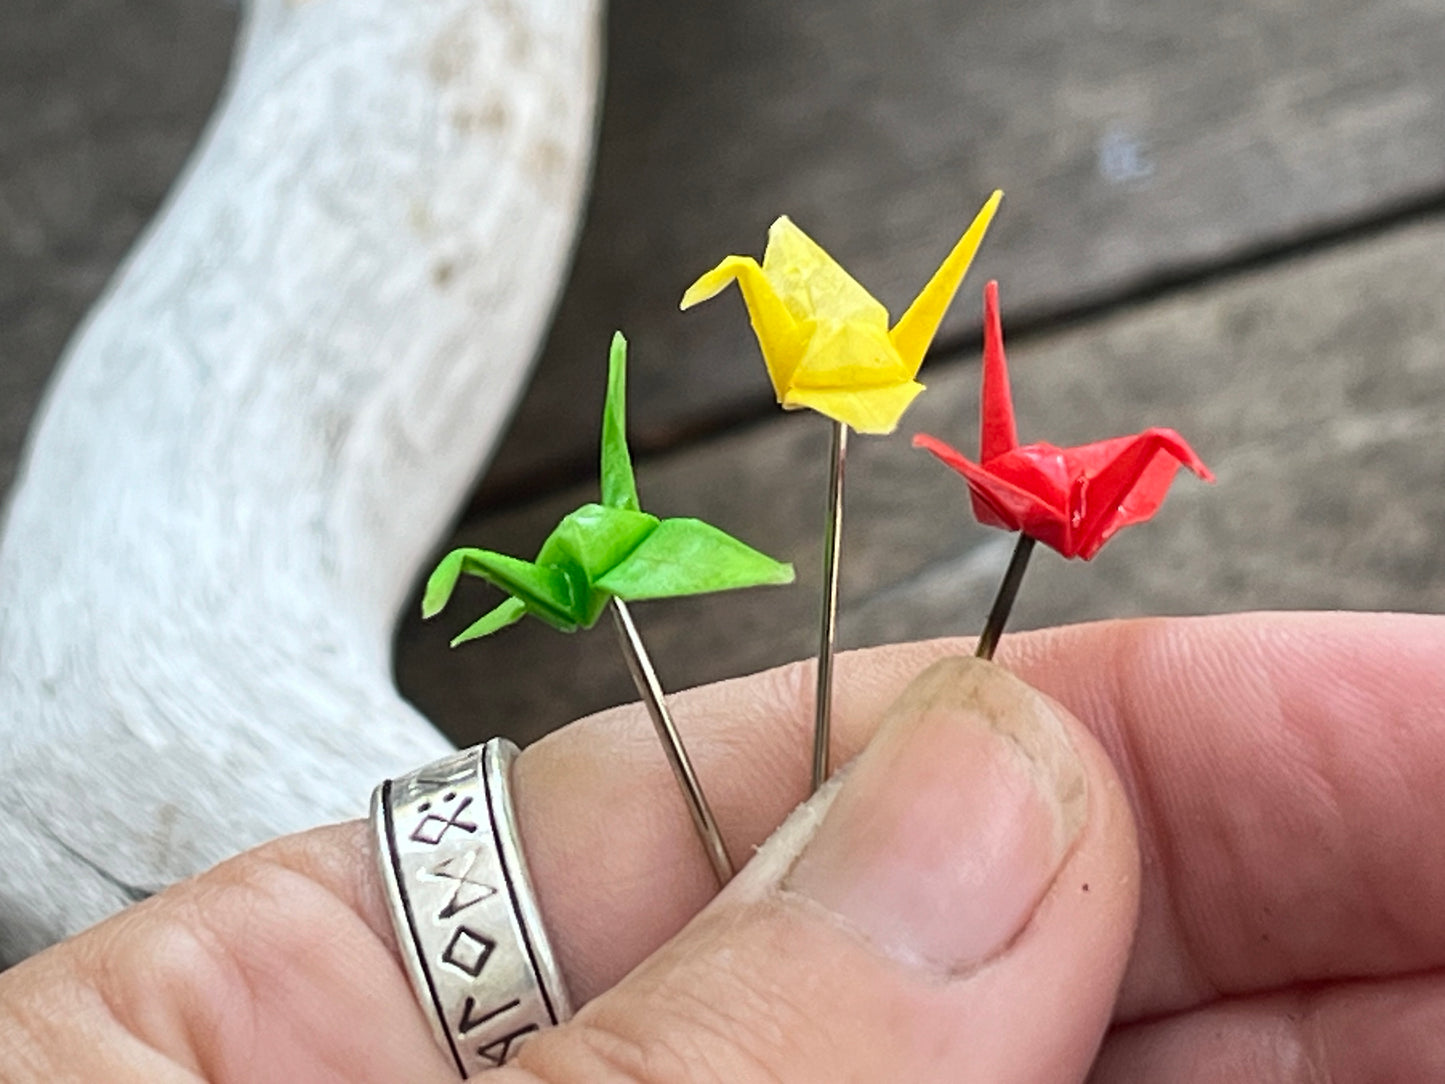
959	907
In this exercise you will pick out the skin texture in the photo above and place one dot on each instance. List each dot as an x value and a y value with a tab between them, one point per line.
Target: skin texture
1284	773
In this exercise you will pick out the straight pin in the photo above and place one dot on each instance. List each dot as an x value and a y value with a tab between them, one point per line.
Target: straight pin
644	676
832	547
1003	602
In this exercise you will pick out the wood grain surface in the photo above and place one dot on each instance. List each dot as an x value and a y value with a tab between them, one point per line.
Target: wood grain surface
1139	141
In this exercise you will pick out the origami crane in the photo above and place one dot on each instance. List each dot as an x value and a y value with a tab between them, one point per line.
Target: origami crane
1073	499
605	550
825	339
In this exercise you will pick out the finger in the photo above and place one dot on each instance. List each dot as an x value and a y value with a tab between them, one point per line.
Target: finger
617	867
275	966
961	907
1287	771
1379	1030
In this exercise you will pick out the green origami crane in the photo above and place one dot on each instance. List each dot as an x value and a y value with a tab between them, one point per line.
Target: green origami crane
605	550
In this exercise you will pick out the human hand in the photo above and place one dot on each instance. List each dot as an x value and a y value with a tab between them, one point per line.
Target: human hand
1285	772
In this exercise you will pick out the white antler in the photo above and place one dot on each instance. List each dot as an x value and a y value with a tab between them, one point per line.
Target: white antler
262	428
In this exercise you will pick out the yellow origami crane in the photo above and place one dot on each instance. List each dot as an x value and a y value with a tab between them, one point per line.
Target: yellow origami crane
825	339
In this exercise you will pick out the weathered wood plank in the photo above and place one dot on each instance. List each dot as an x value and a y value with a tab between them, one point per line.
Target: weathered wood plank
1315	390
1136	138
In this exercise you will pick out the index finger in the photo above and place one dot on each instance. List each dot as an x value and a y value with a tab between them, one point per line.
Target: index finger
1286	770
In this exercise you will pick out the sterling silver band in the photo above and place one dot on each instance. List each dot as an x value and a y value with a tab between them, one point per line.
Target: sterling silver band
463	906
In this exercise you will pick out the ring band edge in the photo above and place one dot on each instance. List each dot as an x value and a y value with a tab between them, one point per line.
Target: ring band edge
499	755
408	939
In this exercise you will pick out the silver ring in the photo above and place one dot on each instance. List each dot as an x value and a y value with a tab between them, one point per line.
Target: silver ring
463	907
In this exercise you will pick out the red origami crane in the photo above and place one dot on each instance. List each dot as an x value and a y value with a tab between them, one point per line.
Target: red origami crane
1073	499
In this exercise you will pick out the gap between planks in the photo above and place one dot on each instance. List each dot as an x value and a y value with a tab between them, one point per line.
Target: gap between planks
954	351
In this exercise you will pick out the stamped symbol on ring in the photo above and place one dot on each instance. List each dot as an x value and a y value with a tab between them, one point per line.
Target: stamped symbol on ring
458	870
498	1051
469	1022
434	827
468	951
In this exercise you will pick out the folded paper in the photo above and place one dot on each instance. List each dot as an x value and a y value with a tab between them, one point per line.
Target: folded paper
1072	499
825	339
605	550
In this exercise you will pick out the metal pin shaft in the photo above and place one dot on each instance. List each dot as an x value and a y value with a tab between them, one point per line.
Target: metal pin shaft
1003	602
832	547
650	689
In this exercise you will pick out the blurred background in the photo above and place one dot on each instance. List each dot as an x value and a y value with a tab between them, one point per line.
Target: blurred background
1227	217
